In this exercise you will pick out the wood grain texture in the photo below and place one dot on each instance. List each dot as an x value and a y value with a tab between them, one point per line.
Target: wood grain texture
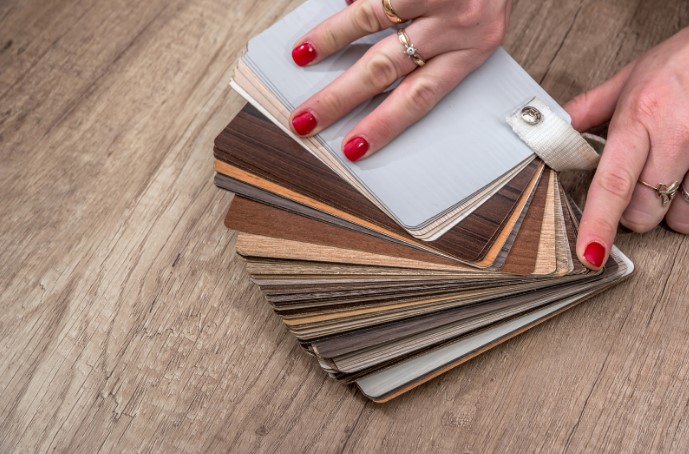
129	324
251	144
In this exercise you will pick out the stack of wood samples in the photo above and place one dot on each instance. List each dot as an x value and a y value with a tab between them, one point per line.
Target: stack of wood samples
376	306
394	269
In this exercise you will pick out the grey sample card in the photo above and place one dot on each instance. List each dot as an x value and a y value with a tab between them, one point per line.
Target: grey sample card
462	146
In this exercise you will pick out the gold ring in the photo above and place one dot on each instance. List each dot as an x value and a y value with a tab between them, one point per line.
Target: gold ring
390	12
684	194
409	48
664	192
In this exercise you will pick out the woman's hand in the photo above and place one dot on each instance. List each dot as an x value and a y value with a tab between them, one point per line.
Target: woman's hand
453	37
648	141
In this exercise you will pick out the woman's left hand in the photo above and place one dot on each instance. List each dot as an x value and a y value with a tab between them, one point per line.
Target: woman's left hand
453	37
647	149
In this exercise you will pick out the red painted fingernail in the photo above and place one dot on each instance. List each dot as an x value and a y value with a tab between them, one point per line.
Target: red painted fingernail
355	148
304	54
304	123
349	2
594	254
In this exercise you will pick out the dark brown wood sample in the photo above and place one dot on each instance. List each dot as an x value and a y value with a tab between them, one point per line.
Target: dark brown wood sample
254	144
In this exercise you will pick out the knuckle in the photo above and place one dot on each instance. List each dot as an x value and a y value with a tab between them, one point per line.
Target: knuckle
490	25
364	18
471	14
601	226
618	182
329	38
379	127
423	95
382	71
330	104
644	106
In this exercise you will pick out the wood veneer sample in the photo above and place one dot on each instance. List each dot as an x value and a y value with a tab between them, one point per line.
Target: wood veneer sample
250	142
522	256
259	219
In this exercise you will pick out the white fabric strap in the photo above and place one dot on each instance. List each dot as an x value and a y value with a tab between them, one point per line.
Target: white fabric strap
554	140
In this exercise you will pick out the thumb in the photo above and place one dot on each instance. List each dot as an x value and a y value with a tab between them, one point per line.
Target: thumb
596	106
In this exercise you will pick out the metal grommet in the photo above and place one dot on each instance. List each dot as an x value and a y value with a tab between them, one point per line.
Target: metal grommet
531	115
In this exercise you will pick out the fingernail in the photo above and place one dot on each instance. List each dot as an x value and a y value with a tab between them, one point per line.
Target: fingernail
304	123
594	254
304	54
355	148
349	2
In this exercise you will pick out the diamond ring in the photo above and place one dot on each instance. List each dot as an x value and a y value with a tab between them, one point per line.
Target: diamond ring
409	49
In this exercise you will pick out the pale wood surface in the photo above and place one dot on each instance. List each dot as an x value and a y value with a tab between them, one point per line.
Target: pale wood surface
128	323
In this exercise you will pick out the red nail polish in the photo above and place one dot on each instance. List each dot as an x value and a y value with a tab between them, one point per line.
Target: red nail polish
304	54
304	123
594	254
355	148
349	2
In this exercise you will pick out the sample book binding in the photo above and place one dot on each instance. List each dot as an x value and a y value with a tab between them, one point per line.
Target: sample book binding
397	268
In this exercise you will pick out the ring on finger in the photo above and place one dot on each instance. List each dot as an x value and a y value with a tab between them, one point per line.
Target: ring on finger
409	48
664	192
390	12
684	194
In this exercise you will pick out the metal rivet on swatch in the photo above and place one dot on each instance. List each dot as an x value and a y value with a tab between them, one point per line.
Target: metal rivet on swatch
531	115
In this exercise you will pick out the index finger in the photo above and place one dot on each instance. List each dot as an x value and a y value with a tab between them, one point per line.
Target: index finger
611	189
361	18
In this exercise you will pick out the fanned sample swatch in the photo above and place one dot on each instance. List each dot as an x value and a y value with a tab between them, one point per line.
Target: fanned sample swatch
395	269
376	306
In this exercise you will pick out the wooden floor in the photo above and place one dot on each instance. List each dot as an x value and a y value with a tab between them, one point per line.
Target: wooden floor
128	323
